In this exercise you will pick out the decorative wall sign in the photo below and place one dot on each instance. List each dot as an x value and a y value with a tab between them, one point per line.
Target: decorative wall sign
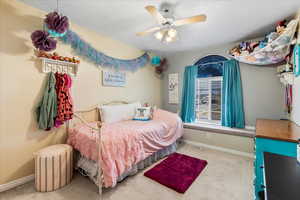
113	79
173	89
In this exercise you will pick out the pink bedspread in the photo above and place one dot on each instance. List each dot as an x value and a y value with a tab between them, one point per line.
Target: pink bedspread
126	143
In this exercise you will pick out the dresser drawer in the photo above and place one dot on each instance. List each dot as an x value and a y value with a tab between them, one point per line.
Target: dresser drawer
273	146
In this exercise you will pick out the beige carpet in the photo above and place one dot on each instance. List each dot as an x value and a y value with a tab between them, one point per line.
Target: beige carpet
226	177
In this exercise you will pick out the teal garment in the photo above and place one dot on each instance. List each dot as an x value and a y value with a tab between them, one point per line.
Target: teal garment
188	94
297	60
232	96
47	109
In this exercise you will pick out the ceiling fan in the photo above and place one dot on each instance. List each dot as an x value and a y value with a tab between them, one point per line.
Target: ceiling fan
165	31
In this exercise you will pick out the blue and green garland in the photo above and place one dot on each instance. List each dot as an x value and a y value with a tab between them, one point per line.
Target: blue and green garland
57	26
85	49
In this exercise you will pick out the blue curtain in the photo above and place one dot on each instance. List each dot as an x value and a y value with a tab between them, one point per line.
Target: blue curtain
188	94
297	60
232	96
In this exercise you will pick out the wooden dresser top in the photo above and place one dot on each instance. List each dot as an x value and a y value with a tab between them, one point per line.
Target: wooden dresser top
277	130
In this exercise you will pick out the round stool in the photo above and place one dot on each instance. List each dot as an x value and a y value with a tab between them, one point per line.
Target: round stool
53	167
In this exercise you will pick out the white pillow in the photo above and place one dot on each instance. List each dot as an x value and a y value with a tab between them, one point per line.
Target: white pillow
115	113
142	113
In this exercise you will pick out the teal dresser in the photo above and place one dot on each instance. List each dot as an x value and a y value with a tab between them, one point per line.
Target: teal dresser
275	136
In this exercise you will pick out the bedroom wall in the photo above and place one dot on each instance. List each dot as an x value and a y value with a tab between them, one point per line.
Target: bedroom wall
263	93
295	115
22	83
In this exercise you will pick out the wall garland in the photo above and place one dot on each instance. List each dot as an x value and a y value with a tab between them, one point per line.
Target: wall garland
57	26
85	49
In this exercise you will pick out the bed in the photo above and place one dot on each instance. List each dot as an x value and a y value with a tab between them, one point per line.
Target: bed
109	152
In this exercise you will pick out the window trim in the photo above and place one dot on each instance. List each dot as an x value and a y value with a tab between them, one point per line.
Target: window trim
210	121
248	131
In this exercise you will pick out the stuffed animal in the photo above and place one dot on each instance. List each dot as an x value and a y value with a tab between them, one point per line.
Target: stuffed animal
272	36
253	45
244	46
281	25
235	51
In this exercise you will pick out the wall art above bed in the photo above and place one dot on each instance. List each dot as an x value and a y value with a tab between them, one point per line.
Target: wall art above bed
113	78
173	89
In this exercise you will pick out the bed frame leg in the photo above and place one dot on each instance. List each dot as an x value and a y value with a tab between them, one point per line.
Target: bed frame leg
100	193
100	181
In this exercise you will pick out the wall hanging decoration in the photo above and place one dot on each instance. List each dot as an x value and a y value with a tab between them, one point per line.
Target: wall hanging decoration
173	89
42	41
85	49
272	49
57	26
288	98
56	63
113	78
155	60
159	64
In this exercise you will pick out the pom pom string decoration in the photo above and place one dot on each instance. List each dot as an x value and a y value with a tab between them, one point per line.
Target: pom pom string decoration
162	67
42	41
85	49
56	24
159	64
156	60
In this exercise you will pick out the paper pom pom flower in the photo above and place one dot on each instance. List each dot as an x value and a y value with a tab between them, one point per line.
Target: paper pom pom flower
57	23
156	60
42	41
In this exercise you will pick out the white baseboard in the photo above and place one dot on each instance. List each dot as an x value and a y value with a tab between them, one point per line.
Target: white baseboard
232	151
16	183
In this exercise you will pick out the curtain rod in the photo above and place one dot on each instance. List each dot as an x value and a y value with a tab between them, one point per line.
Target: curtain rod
212	63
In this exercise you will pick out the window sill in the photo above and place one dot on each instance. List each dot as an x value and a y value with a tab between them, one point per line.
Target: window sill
247	132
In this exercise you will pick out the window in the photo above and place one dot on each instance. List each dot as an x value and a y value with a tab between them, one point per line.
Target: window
208	99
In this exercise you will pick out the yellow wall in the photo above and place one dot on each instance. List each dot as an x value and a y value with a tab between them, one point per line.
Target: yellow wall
22	84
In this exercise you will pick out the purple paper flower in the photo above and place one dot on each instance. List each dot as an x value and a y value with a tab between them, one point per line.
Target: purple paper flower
42	41
56	22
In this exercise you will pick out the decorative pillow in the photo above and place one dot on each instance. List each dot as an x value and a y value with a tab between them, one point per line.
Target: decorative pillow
143	113
116	113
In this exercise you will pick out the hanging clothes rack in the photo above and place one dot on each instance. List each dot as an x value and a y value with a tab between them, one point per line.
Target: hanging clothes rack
50	65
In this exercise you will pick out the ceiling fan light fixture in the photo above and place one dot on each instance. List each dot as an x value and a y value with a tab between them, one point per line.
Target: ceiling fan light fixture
166	31
159	35
169	39
172	33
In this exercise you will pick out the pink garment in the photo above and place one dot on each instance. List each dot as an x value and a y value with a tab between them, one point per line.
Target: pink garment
64	99
126	143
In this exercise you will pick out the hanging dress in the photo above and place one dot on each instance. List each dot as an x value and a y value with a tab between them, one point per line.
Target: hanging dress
64	99
47	108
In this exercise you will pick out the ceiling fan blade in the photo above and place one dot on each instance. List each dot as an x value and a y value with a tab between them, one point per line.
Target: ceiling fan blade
148	31
153	11
190	20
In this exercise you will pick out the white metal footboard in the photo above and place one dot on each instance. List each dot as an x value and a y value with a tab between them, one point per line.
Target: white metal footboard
84	117
92	115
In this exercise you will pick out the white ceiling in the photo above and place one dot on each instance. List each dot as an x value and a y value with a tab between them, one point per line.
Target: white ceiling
227	20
